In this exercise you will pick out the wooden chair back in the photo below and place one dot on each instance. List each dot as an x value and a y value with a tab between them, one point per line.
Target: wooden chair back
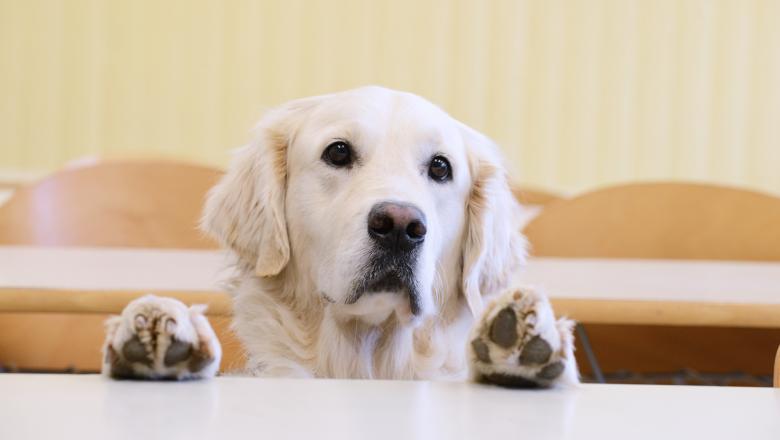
533	196
660	220
127	204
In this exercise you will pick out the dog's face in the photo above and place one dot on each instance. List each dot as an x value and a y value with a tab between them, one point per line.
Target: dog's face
377	189
381	199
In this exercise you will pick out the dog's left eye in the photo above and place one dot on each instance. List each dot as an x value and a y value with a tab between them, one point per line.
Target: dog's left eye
338	154
440	169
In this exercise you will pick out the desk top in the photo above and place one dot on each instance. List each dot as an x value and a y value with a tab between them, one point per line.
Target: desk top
656	280
87	407
584	278
111	268
673	292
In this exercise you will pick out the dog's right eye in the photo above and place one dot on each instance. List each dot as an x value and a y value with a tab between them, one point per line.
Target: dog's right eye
338	154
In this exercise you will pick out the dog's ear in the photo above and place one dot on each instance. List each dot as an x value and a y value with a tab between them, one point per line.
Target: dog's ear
494	248
245	210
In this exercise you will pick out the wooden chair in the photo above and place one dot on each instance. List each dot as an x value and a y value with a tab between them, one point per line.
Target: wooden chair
129	204
115	204
667	221
777	369
9	184
533	196
7	188
533	201
662	220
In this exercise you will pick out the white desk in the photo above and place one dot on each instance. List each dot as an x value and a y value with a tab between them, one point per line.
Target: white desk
660	292
104	280
594	291
79	268
92	407
734	282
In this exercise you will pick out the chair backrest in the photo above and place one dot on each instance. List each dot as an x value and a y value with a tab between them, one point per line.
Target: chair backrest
533	196
660	220
127	204
776	381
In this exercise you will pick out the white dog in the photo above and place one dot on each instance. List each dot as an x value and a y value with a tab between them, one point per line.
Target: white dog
367	227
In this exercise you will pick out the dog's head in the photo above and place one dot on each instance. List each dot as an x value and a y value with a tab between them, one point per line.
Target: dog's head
381	199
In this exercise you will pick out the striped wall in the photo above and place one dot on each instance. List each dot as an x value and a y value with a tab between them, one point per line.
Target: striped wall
578	93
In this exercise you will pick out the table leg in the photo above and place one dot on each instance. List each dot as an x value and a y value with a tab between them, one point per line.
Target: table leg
594	363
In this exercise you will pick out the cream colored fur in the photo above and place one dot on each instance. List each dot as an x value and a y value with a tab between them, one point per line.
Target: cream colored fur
298	231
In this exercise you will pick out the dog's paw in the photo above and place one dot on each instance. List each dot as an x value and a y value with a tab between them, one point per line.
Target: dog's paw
518	343
160	338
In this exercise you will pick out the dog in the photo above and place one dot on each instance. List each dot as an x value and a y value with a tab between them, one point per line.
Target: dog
368	227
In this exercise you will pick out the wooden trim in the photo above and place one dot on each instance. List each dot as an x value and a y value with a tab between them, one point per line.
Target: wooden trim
593	311
27	300
680	313
777	368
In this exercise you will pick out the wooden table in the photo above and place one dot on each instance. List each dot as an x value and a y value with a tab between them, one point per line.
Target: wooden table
662	292
94	407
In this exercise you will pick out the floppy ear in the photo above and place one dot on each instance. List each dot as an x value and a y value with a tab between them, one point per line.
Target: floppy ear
245	210
494	248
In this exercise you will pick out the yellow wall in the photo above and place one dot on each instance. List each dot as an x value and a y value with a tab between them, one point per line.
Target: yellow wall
578	93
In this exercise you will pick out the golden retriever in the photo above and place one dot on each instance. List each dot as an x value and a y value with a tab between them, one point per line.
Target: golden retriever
367	226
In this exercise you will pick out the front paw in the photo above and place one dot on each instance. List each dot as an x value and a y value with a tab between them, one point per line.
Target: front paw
518	343
160	338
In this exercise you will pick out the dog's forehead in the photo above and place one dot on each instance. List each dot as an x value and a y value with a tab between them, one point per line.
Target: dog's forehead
381	111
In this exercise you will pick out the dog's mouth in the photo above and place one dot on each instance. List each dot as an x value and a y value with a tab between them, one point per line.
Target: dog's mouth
387	275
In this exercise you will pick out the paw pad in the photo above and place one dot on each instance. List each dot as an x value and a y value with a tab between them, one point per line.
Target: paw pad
551	371
177	352
510	381
481	350
511	347
135	351
536	351
503	330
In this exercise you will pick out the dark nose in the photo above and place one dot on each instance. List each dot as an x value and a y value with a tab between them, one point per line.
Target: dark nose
396	226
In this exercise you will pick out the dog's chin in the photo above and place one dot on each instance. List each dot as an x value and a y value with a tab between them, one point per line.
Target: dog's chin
385	287
377	307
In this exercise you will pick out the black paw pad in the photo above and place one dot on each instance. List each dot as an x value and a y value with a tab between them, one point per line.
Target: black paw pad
178	351
503	330
200	359
551	371
536	351
509	381
120	368
481	350
135	351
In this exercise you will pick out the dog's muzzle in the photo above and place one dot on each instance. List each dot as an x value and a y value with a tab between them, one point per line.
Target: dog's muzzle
398	232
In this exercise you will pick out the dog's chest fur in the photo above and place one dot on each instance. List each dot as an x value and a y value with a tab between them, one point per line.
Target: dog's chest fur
284	336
